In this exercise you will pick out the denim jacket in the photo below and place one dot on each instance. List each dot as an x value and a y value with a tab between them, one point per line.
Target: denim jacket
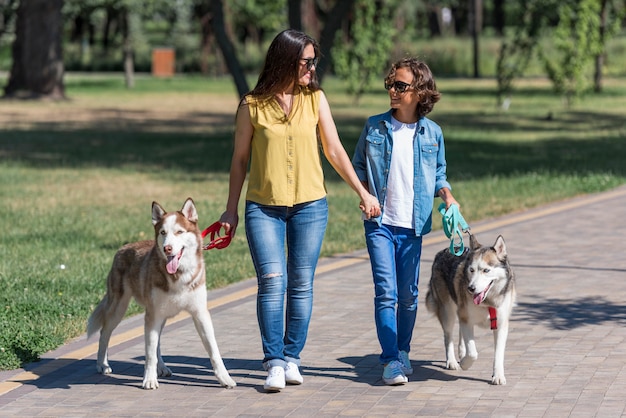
372	160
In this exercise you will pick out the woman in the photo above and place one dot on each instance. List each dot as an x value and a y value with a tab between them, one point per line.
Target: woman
277	128
400	157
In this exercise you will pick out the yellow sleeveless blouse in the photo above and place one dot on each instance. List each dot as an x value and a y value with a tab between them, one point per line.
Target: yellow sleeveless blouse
285	161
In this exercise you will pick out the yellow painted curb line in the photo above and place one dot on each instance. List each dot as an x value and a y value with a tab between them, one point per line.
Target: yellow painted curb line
28	376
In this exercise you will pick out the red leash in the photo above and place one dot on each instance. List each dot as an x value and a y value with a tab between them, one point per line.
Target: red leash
217	241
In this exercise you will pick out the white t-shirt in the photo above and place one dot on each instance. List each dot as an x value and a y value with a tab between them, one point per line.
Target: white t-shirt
398	209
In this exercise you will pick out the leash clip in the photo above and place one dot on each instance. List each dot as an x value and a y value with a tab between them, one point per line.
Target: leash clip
217	241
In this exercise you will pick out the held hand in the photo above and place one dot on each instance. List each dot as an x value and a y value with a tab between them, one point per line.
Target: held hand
370	207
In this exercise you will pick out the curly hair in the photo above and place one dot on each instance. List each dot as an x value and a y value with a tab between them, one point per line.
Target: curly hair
423	83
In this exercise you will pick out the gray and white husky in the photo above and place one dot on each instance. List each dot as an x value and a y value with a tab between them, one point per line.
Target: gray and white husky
469	287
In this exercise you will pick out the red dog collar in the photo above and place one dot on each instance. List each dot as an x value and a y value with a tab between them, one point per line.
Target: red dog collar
218	242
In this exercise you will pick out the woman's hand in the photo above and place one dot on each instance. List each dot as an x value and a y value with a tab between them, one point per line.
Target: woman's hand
229	221
370	206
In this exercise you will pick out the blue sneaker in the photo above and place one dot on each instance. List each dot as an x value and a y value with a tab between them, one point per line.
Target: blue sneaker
393	375
406	363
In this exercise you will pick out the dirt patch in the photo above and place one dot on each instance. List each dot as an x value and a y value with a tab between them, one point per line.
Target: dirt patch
155	112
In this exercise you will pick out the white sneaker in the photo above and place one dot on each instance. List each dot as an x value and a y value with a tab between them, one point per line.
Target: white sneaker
406	363
292	374
275	379
393	375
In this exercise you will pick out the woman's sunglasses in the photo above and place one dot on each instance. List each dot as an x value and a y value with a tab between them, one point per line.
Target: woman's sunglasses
310	62
398	86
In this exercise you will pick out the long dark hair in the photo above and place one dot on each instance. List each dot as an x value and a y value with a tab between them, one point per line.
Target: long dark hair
282	64
423	83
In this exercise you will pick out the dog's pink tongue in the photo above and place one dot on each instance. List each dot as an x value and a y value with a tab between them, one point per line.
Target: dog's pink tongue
172	264
478	299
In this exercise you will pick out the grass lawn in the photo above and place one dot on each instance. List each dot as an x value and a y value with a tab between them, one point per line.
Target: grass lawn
78	178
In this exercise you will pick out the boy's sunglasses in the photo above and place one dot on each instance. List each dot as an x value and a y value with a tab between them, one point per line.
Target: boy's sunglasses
399	86
310	62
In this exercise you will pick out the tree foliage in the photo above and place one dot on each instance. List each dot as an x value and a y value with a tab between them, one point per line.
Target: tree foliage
229	37
256	18
576	43
566	36
361	56
517	50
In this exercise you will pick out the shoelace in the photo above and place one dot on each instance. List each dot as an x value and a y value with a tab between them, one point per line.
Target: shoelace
395	368
274	371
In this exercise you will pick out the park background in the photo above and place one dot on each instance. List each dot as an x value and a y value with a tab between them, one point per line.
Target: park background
533	111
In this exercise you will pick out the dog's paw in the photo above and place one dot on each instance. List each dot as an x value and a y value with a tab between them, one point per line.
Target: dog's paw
498	380
227	381
163	371
104	369
452	365
467	362
150	383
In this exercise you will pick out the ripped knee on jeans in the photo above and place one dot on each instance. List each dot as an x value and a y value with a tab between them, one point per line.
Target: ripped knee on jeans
271	275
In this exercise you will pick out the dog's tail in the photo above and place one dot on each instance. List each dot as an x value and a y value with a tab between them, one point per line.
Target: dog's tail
431	304
96	320
433	298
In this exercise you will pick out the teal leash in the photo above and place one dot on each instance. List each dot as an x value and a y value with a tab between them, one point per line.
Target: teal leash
454	225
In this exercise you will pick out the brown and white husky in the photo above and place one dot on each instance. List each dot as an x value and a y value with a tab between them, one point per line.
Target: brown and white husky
165	276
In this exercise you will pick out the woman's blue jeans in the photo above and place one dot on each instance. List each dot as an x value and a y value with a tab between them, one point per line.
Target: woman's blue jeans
395	258
285	273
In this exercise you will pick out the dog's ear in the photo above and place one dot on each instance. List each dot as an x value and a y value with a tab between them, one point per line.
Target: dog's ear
157	213
500	248
189	210
474	244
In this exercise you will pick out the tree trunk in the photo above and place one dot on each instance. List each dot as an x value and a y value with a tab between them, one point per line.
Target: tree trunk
331	25
434	21
499	17
475	25
129	64
310	19
106	29
226	46
205	43
129	61
294	12
599	58
37	69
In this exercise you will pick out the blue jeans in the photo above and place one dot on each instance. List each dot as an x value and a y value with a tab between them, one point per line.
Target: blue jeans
395	258
285	271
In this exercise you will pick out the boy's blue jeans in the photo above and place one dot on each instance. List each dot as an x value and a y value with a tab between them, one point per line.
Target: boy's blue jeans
395	258
285	244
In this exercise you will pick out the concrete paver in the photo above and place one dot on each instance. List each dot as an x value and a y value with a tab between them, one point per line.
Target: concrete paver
566	353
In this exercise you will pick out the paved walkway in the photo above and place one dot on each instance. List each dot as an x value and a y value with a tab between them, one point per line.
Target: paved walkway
566	354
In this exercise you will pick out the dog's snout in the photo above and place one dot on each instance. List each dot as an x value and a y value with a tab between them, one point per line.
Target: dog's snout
471	288
167	249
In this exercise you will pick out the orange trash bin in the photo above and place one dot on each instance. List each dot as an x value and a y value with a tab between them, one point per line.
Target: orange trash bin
163	62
